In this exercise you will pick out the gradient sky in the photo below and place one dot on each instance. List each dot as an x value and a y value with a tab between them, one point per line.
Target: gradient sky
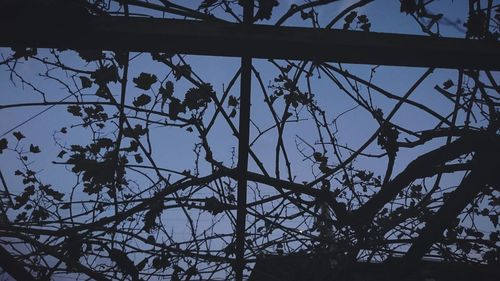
173	147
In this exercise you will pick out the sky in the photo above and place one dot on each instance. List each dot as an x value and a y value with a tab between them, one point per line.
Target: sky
173	148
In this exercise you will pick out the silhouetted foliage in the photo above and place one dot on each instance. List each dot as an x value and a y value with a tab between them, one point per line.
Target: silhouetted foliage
348	163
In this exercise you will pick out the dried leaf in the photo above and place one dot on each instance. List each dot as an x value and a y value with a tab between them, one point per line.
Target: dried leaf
145	80
265	9
34	149
18	135
86	82
142	100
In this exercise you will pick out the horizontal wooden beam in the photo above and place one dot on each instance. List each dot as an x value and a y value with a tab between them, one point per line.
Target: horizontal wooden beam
236	40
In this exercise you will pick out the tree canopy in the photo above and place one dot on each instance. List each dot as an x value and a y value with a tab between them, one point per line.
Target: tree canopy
124	165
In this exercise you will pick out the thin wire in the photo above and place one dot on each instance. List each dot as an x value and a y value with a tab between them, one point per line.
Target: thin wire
34	116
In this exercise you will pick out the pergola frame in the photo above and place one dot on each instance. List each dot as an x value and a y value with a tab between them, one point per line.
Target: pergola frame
139	34
248	41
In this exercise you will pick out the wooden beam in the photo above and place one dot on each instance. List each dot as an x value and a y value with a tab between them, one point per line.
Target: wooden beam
243	147
237	40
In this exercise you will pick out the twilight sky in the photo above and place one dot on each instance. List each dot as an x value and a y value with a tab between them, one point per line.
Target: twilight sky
173	147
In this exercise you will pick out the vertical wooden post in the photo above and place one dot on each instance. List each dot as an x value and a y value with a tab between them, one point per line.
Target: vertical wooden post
243	147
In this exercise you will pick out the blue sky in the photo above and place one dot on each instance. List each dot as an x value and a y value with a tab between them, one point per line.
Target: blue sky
173	147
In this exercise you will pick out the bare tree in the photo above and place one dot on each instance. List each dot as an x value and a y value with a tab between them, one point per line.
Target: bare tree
144	185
